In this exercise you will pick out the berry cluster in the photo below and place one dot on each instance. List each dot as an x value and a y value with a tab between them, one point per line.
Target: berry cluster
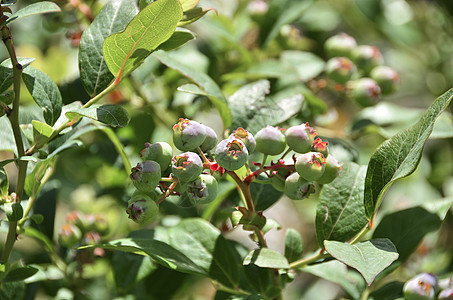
359	68
192	173
82	229
426	286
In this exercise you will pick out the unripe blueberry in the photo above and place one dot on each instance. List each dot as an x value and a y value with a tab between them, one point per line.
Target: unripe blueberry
210	140
231	154
421	287
145	176
365	91
366	58
270	140
203	189
188	135
320	146
159	152
340	69
340	45
446	294
387	79
297	188
331	171
246	137
278	179
310	165
14	211
300	138
186	166
97	223
142	209
69	235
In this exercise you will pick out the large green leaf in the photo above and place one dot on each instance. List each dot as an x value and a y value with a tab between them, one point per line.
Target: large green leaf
340	213
369	258
34	9
266	258
203	81
45	93
129	269
113	17
109	114
264	195
125	51
293	245
399	156
406	228
20	274
6	72
306	64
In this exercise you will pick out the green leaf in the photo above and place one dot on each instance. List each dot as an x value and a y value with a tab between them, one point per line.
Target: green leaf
266	258
188	4
6	72
264	195
109	114
33	180
392	290
129	269
338	273
41	132
192	15
206	247
4	183
406	228
203	81
179	38
399	156
294	245
340	214
20	274
112	18
125	51
369	258
34	9
45	93
306	64
13	290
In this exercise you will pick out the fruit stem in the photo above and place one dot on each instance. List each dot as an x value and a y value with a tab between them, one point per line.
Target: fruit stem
167	192
245	189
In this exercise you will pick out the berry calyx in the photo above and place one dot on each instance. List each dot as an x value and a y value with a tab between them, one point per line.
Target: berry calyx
310	166
69	235
186	166
145	176
231	154
188	135
142	209
320	146
270	140
300	138
340	69
203	189
246	137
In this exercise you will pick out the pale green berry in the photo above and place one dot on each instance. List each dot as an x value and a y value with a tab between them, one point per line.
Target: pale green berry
340	45
231	154
188	135
278	179
203	189
159	152
142	209
421	287
366	57
387	79
340	69
332	170
186	166
310	166
270	140
69	235
297	188
210	140
365	91
246	137
145	176
300	138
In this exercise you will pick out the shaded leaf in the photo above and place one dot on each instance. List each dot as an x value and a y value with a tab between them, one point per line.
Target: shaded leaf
34	9
109	114
45	93
188	4
19	274
6	71
266	258
4	183
390	291
369	258
125	51
178	38
203	81
294	245
340	214
399	156
264	195
192	15
129	269
306	64
112	18
406	228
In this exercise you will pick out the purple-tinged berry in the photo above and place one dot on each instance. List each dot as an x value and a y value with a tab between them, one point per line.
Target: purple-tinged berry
310	165
387	79
142	209
270	140
421	287
159	152
331	171
446	294
203	189
320	146
365	91
340	69
366	58
186	166
69	235
340	45
278	178
231	154
246	137
297	188
300	138
188	135
145	176
210	141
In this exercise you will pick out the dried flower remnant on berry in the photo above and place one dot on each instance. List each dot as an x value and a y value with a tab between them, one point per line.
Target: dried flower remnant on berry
231	154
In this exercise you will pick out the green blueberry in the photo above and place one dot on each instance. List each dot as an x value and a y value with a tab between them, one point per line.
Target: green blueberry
340	45
203	189
231	154
246	137
297	188
387	79
188	135
69	235
270	140
365	91
332	170
340	69
186	166
300	138
310	165
366	58
142	209
145	176
159	152
210	140
278	179
446	294
421	287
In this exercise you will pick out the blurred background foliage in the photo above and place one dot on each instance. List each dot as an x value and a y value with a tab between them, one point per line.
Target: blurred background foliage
241	42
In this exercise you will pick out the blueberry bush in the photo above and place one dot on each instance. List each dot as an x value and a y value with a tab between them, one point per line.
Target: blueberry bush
186	149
